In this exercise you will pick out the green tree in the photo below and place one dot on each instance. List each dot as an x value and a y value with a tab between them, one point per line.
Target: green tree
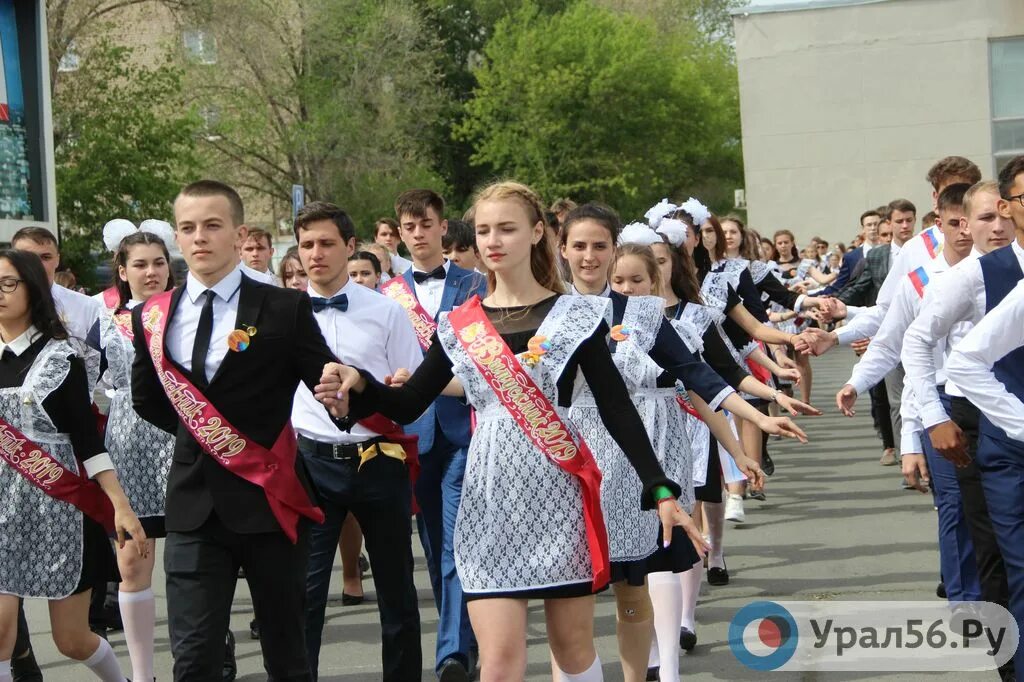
598	104
126	146
340	96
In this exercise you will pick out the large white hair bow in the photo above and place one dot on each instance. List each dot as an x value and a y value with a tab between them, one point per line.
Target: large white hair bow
675	231
657	212
639	233
119	228
698	211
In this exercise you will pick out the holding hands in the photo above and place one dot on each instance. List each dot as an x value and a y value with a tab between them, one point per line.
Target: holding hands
335	384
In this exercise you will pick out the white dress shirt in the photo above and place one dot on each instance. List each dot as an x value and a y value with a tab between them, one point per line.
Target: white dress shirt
399	264
77	311
374	334
265	277
181	330
951	308
604	294
430	292
912	255
970	363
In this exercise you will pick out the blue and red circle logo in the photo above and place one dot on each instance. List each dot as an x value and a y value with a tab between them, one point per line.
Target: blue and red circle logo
763	635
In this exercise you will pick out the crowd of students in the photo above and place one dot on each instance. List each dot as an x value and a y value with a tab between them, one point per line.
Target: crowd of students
561	402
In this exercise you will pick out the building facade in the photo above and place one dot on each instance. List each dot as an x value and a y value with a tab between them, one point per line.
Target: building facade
845	104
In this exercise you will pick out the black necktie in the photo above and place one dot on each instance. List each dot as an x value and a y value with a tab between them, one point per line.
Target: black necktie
436	273
203	333
339	302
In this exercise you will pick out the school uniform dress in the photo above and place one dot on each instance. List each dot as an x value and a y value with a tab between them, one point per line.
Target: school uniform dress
366	329
988	366
520	531
140	451
651	360
444	434
48	548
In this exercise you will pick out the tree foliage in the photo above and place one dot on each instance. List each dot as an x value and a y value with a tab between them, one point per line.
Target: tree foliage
127	144
596	104
338	95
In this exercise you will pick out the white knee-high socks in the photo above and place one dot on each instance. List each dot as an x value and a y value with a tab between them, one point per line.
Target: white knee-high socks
103	663
689	581
5	671
591	674
138	612
666	597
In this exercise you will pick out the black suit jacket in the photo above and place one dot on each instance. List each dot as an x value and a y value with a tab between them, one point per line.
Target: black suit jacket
253	389
864	290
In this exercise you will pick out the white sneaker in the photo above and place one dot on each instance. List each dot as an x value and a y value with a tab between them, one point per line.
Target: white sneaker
734	508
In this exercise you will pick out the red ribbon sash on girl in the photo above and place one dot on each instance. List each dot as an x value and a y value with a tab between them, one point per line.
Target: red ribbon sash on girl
44	472
535	415
423	324
273	469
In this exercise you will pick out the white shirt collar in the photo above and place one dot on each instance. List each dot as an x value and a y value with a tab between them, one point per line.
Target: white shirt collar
346	289
446	264
225	288
607	291
21	344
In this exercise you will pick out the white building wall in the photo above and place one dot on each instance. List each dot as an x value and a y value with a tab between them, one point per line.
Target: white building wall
846	108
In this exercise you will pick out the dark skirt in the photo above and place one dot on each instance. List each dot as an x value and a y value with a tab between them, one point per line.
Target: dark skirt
711	491
99	564
153	525
678	557
557	592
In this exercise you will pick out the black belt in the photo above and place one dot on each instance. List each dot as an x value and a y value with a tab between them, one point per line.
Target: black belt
336	451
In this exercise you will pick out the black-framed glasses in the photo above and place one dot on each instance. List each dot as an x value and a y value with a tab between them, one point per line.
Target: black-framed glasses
9	285
1019	198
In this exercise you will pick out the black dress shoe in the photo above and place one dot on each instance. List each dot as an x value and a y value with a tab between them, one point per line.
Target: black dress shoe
452	670
652	673
351	599
687	639
25	669
767	465
254	629
718	576
757	495
230	669
940	590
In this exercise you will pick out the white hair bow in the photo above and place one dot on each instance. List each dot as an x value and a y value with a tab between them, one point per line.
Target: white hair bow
639	233
698	211
658	212
119	228
675	231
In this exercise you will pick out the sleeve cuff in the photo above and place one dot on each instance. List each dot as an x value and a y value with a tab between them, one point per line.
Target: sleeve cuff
859	384
933	415
97	464
847	334
853	311
716	403
799	305
647	500
910	443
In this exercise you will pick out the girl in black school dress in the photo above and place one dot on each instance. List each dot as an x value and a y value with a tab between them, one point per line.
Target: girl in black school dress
48	548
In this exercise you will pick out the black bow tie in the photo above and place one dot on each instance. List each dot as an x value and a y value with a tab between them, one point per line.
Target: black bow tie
436	273
339	302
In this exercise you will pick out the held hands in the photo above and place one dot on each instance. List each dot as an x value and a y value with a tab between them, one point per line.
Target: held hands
846	398
335	383
781	426
949	440
126	523
860	347
814	341
915	471
671	514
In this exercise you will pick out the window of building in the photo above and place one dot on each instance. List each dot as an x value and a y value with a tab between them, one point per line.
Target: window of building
200	46
1006	67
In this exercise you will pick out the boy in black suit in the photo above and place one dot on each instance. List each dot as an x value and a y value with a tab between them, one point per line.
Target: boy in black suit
244	347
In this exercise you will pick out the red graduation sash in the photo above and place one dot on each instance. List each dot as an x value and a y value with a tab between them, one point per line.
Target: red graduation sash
272	470
393	433
535	415
44	472
423	324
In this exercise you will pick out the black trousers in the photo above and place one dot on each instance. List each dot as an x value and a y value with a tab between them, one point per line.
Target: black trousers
379	496
881	414
202	570
991	570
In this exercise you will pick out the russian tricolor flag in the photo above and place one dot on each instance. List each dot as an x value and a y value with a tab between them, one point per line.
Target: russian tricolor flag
919	278
931	242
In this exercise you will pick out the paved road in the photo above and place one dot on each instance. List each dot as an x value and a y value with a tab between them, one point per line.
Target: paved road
836	525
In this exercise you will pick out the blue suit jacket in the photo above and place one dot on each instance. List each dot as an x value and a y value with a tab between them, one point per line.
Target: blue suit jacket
450	414
850	260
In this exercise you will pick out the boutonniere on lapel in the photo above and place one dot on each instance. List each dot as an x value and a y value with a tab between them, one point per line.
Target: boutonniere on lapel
240	339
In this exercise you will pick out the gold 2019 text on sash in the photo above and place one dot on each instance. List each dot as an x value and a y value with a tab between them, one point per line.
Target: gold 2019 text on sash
36	465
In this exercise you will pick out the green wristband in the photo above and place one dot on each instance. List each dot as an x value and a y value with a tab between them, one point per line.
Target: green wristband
662	493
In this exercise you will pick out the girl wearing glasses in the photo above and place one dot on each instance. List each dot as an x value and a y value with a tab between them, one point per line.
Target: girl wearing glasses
50	545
